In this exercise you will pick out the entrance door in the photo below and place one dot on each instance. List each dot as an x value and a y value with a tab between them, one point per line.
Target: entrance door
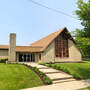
26	57
20	57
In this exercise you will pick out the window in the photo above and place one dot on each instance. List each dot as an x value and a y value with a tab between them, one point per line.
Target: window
61	46
26	57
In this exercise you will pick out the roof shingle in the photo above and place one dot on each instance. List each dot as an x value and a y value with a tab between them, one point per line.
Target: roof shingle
44	42
28	49
4	46
37	46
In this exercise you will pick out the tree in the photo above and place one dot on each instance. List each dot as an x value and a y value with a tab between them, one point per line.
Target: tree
83	43
82	36
78	33
83	14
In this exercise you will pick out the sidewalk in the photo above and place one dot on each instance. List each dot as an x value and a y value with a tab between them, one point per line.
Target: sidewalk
74	85
55	75
60	80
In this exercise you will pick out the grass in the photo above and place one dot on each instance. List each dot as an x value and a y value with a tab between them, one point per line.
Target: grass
46	80
15	77
77	70
88	88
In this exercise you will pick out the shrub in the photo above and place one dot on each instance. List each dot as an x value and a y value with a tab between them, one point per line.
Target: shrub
46	65
57	67
76	75
50	65
50	62
47	80
54	66
66	70
3	60
41	73
36	69
41	63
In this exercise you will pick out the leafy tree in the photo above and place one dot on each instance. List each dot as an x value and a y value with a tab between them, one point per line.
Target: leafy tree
78	33
83	43
83	14
82	36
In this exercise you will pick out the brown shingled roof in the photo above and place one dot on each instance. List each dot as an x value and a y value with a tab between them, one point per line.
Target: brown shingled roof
4	47
28	49
37	46
22	48
44	42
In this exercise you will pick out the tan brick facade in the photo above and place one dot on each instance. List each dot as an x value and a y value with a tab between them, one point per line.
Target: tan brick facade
49	54
12	48
43	49
3	54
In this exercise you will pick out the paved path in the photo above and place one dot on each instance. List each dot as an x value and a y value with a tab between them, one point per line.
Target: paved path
61	80
74	85
55	75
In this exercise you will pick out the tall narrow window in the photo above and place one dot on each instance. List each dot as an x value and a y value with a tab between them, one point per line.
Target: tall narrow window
61	46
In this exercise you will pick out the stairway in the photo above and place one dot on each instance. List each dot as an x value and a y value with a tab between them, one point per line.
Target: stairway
56	76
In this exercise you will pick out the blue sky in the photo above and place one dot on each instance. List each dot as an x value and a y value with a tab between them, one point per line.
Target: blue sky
31	22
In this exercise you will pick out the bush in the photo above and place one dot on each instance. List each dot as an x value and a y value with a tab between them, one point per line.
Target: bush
47	80
57	67
77	70
50	65
65	70
41	63
41	73
3	60
76	75
36	69
50	62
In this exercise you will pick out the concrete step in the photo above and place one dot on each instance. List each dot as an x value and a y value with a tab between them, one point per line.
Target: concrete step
51	72
36	65
56	76
43	67
63	80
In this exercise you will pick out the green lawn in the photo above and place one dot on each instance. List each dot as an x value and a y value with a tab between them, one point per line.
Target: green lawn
15	77
77	70
88	88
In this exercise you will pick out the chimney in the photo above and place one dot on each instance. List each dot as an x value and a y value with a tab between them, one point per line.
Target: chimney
12	47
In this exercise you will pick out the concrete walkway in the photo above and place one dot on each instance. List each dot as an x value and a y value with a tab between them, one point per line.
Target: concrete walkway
74	85
55	75
61	80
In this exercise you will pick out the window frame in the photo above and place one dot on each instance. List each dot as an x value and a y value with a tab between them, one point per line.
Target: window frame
61	46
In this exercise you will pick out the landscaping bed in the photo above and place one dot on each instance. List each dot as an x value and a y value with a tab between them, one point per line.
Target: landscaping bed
15	77
3	60
77	70
46	80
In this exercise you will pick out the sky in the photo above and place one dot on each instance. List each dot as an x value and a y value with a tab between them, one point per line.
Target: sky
31	22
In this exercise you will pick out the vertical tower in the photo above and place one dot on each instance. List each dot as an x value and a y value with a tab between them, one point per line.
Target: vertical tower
12	47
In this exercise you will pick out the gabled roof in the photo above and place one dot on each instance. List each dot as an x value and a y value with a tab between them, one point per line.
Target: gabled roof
4	46
44	42
39	45
22	48
28	49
